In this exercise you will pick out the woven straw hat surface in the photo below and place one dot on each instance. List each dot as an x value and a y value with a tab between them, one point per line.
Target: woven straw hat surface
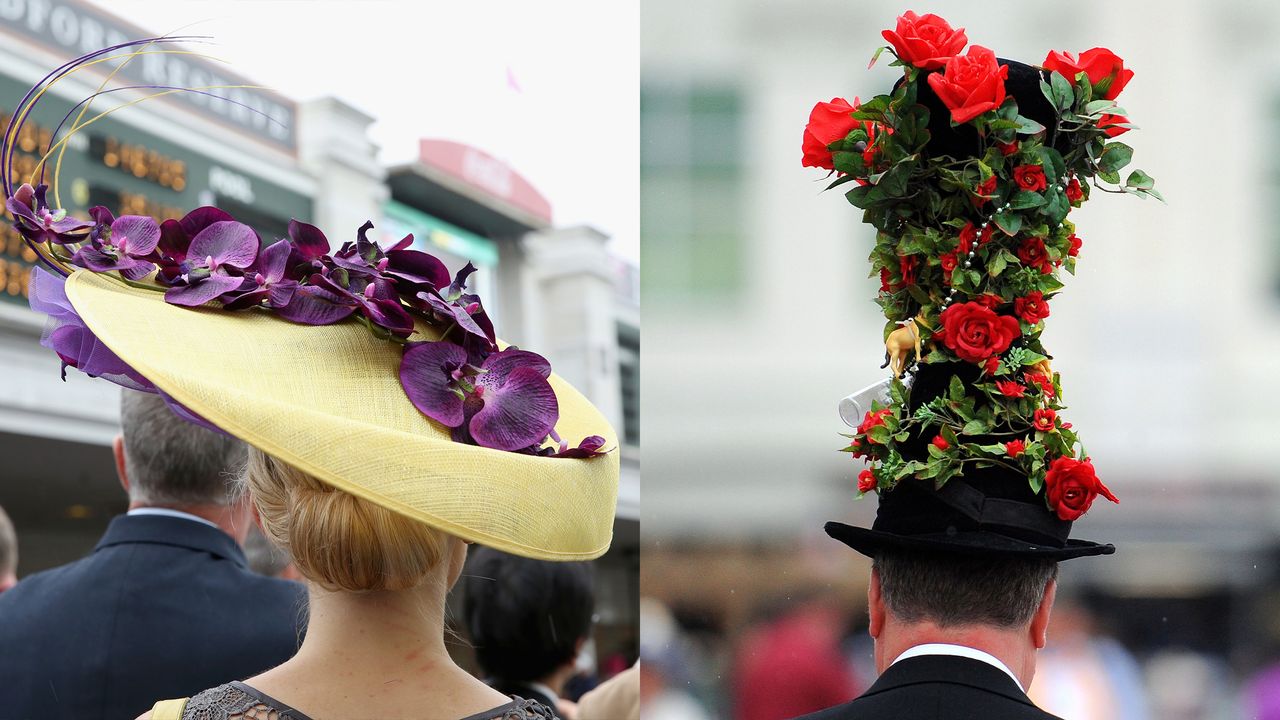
328	400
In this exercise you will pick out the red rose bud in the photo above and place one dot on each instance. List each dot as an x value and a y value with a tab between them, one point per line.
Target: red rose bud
1075	194
828	122
1030	178
885	285
926	41
974	333
1045	420
986	188
1108	125
968	234
1009	388
1014	448
1008	148
1041	381
970	84
873	418
949	262
866	481
909	265
1070	487
1033	308
991	365
1033	254
941	443
1105	69
1076	244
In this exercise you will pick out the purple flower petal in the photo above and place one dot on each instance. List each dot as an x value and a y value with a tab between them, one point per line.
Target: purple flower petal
590	447
456	312
95	260
308	240
272	260
21	210
418	268
501	364
200	218
25	195
311	305
228	242
426	375
174	241
517	414
202	292
142	233
102	216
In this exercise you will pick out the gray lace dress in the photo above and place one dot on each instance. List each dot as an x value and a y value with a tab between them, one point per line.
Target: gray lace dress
237	701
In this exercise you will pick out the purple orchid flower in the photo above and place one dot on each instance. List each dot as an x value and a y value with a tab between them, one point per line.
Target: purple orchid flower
72	340
215	263
309	249
175	240
414	270
265	283
455	306
376	299
506	403
591	446
38	223
125	244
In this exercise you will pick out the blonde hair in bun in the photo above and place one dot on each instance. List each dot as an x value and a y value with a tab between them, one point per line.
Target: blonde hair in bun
336	539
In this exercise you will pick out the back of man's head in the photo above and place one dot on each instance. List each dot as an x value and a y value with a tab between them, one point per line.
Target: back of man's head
8	553
526	618
172	462
953	590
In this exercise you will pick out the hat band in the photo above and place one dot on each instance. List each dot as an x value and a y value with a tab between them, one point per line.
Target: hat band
1008	514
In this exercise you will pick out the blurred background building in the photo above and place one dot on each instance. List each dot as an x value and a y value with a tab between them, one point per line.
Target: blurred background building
760	318
555	288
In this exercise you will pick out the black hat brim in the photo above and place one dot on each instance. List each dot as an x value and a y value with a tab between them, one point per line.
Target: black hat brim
869	542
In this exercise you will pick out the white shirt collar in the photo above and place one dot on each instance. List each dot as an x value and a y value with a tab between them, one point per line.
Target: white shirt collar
958	651
555	699
170	513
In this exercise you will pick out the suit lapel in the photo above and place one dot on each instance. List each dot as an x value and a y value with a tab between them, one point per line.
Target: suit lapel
948	669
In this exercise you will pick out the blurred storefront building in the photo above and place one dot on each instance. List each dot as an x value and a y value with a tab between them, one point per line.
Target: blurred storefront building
556	289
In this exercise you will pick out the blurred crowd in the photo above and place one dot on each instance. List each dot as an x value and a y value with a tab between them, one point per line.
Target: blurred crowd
808	653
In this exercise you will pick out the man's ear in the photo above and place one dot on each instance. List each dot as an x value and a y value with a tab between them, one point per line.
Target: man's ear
1040	621
875	605
117	449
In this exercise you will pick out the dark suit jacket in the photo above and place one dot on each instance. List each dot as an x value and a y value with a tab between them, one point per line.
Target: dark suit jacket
939	687
164	607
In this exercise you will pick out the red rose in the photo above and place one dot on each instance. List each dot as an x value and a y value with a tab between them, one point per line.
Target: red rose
1076	244
1033	254
1044	420
1105	69
873	418
1108	124
986	189
974	333
971	84
1033	308
828	122
1014	448
1030	178
1074	192
885	286
989	300
949	263
967	235
1008	148
908	265
1071	485
941	443
866	481
1009	388
926	41
1043	382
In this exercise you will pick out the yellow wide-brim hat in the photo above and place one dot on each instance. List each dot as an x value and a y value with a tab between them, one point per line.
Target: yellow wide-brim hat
327	399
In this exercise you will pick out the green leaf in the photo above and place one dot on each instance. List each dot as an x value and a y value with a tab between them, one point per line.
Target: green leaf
865	196
1009	222
1027	126
996	449
879	434
894	182
975	427
1139	179
1057	205
1097	107
872	109
1026	199
997	265
956	390
1054	166
1064	97
1114	157
876	56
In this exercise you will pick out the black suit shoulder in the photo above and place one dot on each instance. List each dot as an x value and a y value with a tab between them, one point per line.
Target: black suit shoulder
939	688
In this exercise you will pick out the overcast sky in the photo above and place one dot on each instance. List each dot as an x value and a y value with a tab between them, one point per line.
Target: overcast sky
550	87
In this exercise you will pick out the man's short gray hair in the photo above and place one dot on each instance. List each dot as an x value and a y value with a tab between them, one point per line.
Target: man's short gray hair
953	590
8	545
170	461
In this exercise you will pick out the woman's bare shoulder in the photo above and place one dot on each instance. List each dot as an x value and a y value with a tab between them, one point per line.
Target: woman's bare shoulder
145	716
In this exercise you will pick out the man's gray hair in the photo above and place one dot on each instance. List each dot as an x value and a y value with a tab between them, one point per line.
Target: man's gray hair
170	461
953	590
8	545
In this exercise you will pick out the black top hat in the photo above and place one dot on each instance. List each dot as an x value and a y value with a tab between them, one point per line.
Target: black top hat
988	510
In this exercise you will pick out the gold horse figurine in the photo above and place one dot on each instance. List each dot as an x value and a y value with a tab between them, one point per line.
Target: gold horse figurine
899	344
